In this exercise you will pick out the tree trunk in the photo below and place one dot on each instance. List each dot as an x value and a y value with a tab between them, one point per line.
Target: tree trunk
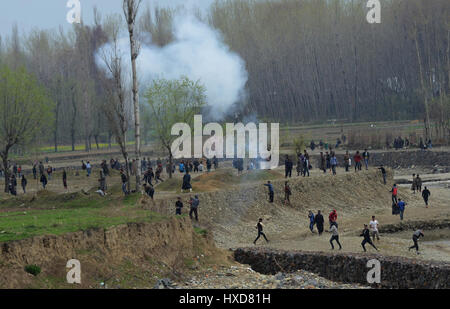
134	50
6	169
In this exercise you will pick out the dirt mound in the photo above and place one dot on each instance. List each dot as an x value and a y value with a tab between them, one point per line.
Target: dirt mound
109	256
233	212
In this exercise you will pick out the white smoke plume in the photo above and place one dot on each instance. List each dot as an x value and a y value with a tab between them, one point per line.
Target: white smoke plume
198	52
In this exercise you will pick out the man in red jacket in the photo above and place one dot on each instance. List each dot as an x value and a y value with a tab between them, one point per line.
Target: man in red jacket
357	158
332	217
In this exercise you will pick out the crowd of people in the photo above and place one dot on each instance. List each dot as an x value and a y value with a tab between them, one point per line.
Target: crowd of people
152	174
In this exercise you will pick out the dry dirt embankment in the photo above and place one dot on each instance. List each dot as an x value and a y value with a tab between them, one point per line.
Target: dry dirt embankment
396	272
231	213
102	253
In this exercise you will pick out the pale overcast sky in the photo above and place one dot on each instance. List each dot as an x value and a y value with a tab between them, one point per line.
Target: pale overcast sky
50	14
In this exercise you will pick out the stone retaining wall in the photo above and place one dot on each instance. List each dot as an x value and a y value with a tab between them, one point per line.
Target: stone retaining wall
396	272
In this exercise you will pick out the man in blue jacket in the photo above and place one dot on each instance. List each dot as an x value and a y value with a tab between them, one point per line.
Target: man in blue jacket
401	206
270	186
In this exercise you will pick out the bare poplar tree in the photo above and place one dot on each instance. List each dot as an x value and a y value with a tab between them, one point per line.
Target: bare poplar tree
116	107
130	10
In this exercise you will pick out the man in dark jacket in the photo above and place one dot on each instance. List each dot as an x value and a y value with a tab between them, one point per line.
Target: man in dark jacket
415	238
366	234
186	182
426	194
178	206
319	222
194	207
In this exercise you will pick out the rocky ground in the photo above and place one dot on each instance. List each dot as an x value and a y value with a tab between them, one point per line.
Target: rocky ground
243	277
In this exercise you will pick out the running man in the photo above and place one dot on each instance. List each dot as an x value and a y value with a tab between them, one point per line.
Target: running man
334	236
415	238
260	228
366	234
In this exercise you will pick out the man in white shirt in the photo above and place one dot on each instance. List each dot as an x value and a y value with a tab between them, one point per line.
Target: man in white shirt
374	228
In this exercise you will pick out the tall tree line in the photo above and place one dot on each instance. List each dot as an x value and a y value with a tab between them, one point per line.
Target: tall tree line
321	59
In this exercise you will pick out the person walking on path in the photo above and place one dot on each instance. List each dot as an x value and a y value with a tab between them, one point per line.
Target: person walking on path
383	173
194	202
287	192
311	221
366	234
271	193
334	236
401	207
373	224
319	222
178	206
426	194
260	228
415	238
24	184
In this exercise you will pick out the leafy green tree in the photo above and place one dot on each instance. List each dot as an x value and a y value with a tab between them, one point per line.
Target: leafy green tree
25	111
173	101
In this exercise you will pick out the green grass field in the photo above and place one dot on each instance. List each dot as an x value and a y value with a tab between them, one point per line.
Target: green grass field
53	214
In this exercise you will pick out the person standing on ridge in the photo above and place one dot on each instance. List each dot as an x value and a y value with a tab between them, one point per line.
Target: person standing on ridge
366	157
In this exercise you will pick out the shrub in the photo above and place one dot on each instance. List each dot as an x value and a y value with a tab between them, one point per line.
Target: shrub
33	269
